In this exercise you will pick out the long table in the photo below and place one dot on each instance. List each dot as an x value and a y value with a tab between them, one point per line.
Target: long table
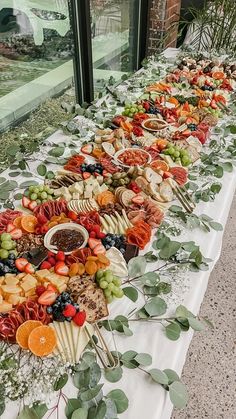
147	399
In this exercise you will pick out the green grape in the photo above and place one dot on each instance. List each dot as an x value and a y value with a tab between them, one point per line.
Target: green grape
178	161
117	281
176	154
7	245
36	190
103	285
13	244
120	294
132	110
14	252
140	107
50	198
31	188
44	195
141	112
109	299
44	200
116	292
126	113
5	237
108	276
38	201
33	196
171	151
185	161
99	274
107	293
4	254
111	286
131	115
41	188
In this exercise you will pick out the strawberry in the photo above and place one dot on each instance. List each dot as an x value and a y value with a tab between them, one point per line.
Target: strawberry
69	311
37	230
10	227
51	254
96	228
52	261
72	215
51	287
61	269
60	256
99	249
86	175
32	205
45	265
101	235
93	243
16	233
29	269
47	298
92	234
44	229
79	318
25	202
21	264
39	290
42	219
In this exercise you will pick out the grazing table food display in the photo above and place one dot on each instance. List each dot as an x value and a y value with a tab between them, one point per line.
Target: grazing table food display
107	247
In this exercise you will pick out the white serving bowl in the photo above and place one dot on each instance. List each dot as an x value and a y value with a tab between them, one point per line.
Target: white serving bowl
163	124
66	226
116	156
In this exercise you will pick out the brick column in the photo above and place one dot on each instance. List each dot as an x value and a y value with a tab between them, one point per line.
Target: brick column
162	31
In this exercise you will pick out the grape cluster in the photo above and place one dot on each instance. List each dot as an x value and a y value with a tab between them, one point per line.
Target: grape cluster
39	193
92	168
7	246
117	179
7	265
178	155
110	285
132	109
192	127
154	111
114	240
57	308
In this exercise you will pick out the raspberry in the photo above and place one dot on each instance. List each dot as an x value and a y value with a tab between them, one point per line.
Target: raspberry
45	265
52	261
51	254
79	318
60	256
101	235
96	228
69	311
40	290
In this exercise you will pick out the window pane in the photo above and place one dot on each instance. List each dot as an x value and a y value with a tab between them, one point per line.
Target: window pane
36	51
114	24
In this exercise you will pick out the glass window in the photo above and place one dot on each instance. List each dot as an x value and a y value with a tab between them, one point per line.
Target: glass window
115	31
36	51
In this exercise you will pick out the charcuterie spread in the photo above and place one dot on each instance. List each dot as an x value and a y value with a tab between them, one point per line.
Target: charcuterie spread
68	247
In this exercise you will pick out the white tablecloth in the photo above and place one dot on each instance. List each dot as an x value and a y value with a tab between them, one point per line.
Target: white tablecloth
147	399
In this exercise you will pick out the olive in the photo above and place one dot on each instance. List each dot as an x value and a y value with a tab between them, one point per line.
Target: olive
233	68
180	66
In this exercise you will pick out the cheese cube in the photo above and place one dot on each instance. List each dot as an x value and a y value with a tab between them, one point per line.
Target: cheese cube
4	307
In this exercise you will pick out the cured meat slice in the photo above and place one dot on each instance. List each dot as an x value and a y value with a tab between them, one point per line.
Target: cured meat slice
7	217
180	175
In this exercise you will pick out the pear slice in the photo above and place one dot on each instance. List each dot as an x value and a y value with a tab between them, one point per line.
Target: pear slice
83	340
68	334
59	347
64	339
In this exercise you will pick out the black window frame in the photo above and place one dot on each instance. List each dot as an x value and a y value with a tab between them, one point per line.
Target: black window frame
80	17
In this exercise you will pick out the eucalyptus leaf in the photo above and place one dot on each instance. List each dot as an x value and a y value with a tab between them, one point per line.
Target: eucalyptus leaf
178	394
2	180
143	359
150	279
172	375
28	183
173	331
113	375
27	413
195	324
56	151
111	412
91	393
61	382
127	331
2	406
95	374
182	311
41	169
81	413
71	406
12	150
98	412
216	226
40	409
18	196
159	376
156	307
137	266
169	250
120	400
131	293
14	174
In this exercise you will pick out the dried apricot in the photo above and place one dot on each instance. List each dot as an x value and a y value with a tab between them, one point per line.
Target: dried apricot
74	268
91	267
81	269
103	259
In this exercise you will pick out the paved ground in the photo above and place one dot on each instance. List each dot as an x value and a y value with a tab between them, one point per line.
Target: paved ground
210	369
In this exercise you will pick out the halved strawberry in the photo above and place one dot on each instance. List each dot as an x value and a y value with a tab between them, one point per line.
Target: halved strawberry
25	202
93	242
16	233
86	175
60	256
10	227
61	269
32	205
47	298
29	269
21	264
52	261
101	235
45	265
99	249
51	287
42	219
96	228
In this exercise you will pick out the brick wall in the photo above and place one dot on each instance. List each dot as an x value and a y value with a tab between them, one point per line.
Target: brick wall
162	30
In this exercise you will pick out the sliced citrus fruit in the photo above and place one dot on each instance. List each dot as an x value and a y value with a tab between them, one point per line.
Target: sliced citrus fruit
160	165
162	144
24	330
218	75
28	223
42	341
17	222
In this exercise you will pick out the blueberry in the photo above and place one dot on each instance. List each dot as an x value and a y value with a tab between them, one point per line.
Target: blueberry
49	310
122	250
65	296
1	265
11	256
6	269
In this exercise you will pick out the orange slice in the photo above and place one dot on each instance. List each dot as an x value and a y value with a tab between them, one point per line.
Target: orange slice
218	75
162	144
28	223
42	341
17	222
24	330
160	165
